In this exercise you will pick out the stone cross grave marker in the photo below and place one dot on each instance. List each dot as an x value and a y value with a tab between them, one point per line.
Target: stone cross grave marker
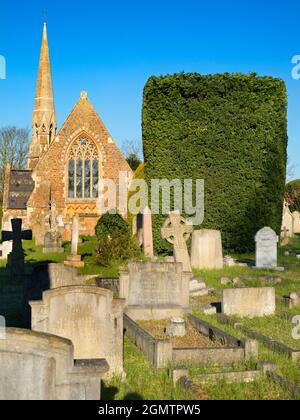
176	231
284	236
16	257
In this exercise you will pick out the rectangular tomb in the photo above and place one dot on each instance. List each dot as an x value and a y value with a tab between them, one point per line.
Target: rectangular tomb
155	290
249	301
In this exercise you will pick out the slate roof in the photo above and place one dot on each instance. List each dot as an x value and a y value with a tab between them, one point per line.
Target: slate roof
21	186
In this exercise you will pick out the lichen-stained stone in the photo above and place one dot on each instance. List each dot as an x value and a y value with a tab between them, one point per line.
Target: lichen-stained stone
87	315
37	366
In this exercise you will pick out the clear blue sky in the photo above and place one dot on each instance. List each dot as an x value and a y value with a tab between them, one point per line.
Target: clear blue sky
111	48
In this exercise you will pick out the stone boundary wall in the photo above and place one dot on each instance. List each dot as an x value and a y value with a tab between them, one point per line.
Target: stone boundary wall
293	389
264	369
268	342
211	331
161	353
207	356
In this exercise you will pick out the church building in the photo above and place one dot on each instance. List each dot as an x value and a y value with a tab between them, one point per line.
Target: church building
64	166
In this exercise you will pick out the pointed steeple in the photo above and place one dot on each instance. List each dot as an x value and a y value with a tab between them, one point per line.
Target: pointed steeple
43	118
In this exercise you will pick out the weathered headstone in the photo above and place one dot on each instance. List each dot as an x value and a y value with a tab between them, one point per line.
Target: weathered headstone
147	233
36	366
207	249
266	249
249	302
292	300
287	221
74	259
52	242
296	221
176	231
87	315
16	258
155	290
284	237
60	221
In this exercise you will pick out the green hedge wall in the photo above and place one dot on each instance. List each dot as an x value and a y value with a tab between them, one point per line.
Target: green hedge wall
231	131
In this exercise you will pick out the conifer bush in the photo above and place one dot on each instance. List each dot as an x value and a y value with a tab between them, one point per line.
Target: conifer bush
231	131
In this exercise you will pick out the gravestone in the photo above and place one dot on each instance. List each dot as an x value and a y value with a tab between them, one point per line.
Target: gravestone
155	290
74	260
36	366
60	221
5	247
87	315
292	300
266	249
249	302
287	221
177	232
284	237
147	233
52	242
296	221
16	258
207	249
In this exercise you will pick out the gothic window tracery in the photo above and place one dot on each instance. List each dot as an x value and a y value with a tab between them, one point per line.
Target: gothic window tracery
83	169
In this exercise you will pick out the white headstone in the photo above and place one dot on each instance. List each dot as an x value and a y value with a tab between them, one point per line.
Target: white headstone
266	248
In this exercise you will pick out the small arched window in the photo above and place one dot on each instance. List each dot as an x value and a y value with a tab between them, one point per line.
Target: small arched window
83	169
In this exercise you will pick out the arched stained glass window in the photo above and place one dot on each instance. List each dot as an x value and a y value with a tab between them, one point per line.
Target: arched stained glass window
83	169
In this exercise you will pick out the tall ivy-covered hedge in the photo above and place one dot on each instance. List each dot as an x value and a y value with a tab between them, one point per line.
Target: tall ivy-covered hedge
231	131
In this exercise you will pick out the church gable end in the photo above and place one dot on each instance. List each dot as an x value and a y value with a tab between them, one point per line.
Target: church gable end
64	169
82	153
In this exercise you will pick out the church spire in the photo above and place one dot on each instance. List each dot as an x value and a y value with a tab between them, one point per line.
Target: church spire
43	118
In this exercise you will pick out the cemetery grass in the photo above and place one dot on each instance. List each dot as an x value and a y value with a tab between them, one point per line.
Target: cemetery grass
262	389
87	249
274	327
142	382
284	364
290	277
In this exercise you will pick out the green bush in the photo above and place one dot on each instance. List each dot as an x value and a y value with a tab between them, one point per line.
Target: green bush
231	131
119	247
109	223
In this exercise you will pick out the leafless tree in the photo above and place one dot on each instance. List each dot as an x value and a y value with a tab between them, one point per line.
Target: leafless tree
13	150
132	150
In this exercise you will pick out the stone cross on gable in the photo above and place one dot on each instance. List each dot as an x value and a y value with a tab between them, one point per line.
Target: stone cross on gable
176	231
16	257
